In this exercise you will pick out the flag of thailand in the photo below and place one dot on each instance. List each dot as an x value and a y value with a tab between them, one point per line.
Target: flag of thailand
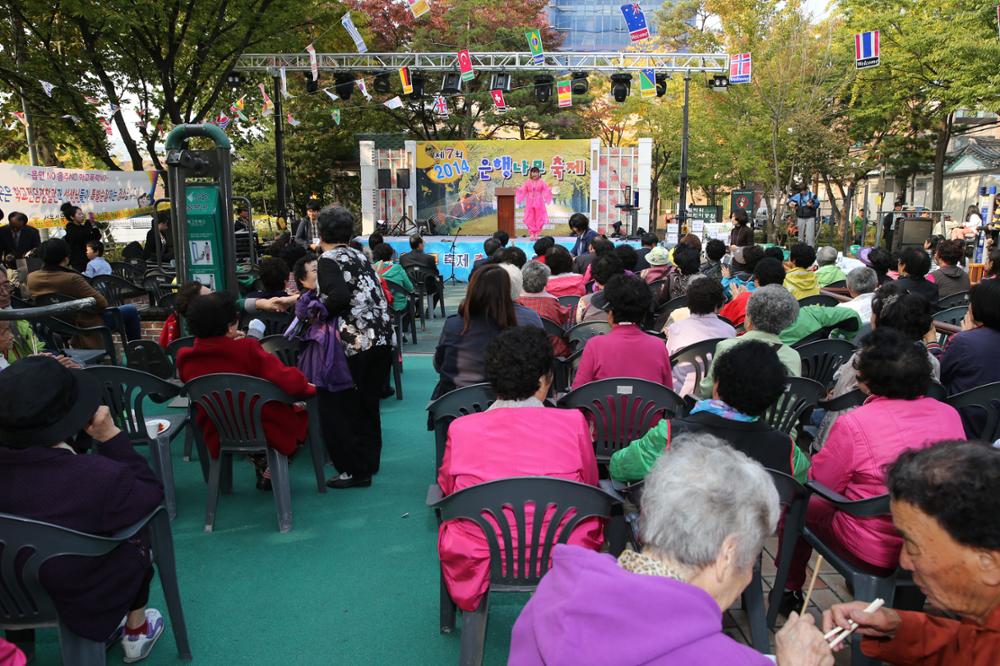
866	50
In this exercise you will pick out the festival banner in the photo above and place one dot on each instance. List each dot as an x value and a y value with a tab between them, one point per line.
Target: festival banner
465	65
418	7
564	93
359	42
647	83
534	38
458	180
635	20
404	78
866	50
39	191
740	68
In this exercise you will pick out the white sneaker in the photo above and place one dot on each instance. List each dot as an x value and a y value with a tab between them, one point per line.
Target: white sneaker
139	646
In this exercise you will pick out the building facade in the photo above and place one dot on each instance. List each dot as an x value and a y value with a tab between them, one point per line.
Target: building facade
596	25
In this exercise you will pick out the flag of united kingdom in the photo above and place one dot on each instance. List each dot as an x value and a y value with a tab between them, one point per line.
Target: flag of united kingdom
740	66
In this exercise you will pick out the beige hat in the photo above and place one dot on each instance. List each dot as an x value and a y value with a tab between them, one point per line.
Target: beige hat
658	256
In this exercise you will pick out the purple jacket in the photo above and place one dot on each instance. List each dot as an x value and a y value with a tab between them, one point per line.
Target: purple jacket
322	359
587	610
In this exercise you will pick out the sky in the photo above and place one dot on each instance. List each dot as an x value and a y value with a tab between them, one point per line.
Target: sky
818	8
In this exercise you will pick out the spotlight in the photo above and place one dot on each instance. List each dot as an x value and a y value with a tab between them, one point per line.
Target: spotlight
382	82
451	84
621	83
312	85
500	81
661	84
719	83
580	85
234	79
344	85
543	87
417	80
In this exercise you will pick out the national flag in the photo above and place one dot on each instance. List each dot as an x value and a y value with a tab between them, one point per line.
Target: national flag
564	93
440	106
636	21
404	77
20	116
268	106
292	121
47	87
284	84
465	65
394	103
237	108
332	95
363	88
647	83
223	121
499	102
336	115
534	38
313	63
418	7
866	50
359	41
106	124
740	68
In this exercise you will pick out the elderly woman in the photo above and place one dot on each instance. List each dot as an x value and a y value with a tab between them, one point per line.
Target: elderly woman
593	307
698	557
964	364
861	284
705	297
484	447
914	264
534	277
945	504
897	416
827	271
770	310
563	281
949	276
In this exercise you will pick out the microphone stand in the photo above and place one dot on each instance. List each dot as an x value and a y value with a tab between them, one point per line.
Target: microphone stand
452	279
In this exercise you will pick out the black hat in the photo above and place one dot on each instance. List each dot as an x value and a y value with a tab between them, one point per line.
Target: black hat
44	403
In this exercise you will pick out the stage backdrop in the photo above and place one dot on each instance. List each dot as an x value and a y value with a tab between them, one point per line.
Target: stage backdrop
456	181
39	191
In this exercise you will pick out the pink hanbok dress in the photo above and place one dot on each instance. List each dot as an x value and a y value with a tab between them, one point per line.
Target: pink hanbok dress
535	194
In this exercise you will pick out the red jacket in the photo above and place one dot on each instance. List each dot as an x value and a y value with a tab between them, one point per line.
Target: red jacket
171	330
938	641
285	426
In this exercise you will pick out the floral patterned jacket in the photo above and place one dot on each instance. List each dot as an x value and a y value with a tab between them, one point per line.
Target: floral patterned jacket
353	293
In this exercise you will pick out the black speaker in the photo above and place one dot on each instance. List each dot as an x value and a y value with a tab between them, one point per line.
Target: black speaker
403	179
384	179
911	232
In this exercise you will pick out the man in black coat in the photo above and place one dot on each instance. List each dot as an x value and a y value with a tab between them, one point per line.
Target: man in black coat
417	258
17	238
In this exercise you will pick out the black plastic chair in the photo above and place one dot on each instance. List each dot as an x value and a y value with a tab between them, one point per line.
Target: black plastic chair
696	359
953	315
427	285
177	345
502	506
25	604
564	370
839	284
801	394
953	300
150	357
285	349
447	408
552	328
570	302
56	332
275	323
822	358
124	391
622	409
157	285
233	404
118	290
794	500
579	334
848	400
819	299
972	404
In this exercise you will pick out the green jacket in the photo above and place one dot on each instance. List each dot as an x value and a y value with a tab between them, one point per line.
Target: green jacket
26	342
814	317
829	274
788	356
399	283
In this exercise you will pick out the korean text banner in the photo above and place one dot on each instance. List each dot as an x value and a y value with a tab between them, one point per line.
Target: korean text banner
456	181
39	191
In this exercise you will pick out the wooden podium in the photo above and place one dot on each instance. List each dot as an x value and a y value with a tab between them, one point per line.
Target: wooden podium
505	209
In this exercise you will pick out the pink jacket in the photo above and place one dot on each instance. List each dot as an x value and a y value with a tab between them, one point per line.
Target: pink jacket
501	443
567	284
627	351
861	444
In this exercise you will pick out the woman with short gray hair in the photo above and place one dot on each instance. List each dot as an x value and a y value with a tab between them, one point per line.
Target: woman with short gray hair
534	278
707	509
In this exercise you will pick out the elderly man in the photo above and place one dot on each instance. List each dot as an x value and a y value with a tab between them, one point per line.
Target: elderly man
534	277
828	271
945	505
861	283
17	238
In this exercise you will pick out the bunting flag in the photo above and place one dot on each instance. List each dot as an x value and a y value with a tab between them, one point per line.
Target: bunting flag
223	121
336	115
394	103
332	95
268	107
112	111
499	102
91	100
418	7
404	77
534	38
348	24
740	68
363	88
441	106
564	93
313	63
20	116
291	120
70	116
284	84
106	124
47	87
237	108
647	83
635	20
866	50
465	65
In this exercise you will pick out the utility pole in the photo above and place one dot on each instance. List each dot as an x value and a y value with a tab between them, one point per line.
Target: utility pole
29	132
682	212
279	150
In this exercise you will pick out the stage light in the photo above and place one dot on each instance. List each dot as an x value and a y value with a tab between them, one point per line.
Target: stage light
344	85
234	79
382	82
580	85
500	81
719	83
621	84
418	81
543	87
661	84
451	84
312	85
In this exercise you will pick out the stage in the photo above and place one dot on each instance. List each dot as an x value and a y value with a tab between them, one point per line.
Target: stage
468	249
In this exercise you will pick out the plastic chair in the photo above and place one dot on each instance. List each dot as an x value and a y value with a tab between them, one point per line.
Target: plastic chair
285	349
622	409
148	356
800	395
56	331
25	604
447	408
819	299
564	370
233	403
177	345
982	398
124	391
953	300
156	285
794	500
570	302
696	358
579	334
117	290
953	315
422	281
839	284
822	358
502	506
275	323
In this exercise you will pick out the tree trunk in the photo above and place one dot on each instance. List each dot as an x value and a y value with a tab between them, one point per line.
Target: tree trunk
940	153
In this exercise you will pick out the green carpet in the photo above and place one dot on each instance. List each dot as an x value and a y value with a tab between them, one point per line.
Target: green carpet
354	582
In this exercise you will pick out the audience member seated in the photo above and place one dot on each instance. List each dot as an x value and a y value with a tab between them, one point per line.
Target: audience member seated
394	275
487	310
598	245
770	310
512	255
704	300
945	504
579	226
41	478
96	263
219	347
490	247
174	326
502	237
627	351
594	307
273	276
749	378
649	241
897	416
687	260
800	279
815	318
659	265
563	281
991	267
861	284
18	239
775	252
417	258
913	267
827	271
516	436
715	250
541	246
698	557
534	277
950	278
162	232
881	262
628	256
971	357
767	271
19	338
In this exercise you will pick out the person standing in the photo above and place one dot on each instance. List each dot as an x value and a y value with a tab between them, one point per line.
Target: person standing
307	235
742	234
579	226
79	230
351	419
806	204
889	223
535	195
17	238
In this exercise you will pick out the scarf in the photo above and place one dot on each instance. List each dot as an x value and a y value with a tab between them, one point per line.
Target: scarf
720	408
644	565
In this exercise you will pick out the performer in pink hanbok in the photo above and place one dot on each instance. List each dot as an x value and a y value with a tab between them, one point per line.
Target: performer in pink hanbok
535	194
